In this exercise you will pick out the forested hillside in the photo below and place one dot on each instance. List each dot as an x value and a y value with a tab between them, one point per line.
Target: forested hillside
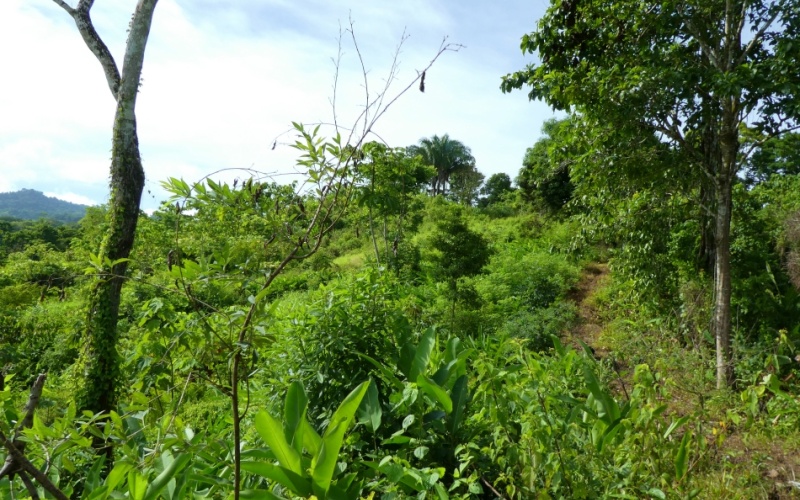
622	320
32	204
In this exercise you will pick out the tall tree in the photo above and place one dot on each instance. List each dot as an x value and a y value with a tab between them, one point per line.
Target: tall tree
495	188
101	361
692	71
770	156
447	155
544	178
465	186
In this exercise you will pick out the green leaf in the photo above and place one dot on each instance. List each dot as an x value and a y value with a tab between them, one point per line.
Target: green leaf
312	441
393	472
101	492
610	408
443	374
117	474
161	481
682	457
609	434
422	354
294	412
387	374
259	495
323	469
656	493
396	439
674	425
137	485
298	484
370	411
458	395
271	432
587	350
435	392
451	350
407	352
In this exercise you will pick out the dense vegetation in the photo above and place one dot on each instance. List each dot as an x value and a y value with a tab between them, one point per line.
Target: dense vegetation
395	327
31	204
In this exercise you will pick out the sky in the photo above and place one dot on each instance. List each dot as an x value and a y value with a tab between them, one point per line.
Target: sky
223	81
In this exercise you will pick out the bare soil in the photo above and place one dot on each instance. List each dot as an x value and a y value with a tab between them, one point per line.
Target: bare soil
589	325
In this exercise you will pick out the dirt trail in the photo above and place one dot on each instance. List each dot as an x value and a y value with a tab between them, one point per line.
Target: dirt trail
779	462
589	325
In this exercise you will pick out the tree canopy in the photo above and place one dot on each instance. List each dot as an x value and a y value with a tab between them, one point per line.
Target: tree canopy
447	155
690	71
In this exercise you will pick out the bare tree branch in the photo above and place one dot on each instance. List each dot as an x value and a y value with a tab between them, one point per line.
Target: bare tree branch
756	38
698	35
134	52
83	21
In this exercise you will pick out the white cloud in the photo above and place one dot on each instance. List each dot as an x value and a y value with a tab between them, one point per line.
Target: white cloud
73	198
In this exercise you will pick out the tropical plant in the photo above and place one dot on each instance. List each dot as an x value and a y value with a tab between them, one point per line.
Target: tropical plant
447	155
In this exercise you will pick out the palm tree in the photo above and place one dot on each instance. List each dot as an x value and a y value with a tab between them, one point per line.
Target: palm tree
447	155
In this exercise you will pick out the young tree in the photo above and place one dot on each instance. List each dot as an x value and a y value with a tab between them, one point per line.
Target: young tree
389	179
692	71
459	251
99	388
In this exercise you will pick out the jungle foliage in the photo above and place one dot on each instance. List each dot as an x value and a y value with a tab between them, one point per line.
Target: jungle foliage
393	327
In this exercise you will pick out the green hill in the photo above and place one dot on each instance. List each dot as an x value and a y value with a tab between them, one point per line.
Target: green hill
32	204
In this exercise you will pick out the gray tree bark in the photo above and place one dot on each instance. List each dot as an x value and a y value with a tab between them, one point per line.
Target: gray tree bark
729	150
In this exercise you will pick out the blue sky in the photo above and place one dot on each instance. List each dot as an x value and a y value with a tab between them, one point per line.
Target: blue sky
222	80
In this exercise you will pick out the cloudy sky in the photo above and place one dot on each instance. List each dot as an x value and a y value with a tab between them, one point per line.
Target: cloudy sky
222	80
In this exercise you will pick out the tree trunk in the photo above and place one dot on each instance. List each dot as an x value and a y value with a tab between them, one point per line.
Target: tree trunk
729	149
707	250
101	374
99	358
722	286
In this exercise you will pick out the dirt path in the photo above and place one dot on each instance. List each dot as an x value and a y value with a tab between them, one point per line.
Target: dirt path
589	325
778	462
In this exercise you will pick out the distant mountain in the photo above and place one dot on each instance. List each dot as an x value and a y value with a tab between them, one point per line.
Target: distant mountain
32	204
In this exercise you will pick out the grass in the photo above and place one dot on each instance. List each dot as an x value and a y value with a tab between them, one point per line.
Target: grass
351	261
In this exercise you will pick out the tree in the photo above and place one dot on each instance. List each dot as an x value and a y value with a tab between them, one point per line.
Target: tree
465	186
99	387
459	251
389	179
448	156
692	71
495	188
770	156
545	175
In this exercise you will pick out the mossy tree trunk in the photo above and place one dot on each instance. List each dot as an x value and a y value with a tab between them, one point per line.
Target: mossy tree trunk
100	359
